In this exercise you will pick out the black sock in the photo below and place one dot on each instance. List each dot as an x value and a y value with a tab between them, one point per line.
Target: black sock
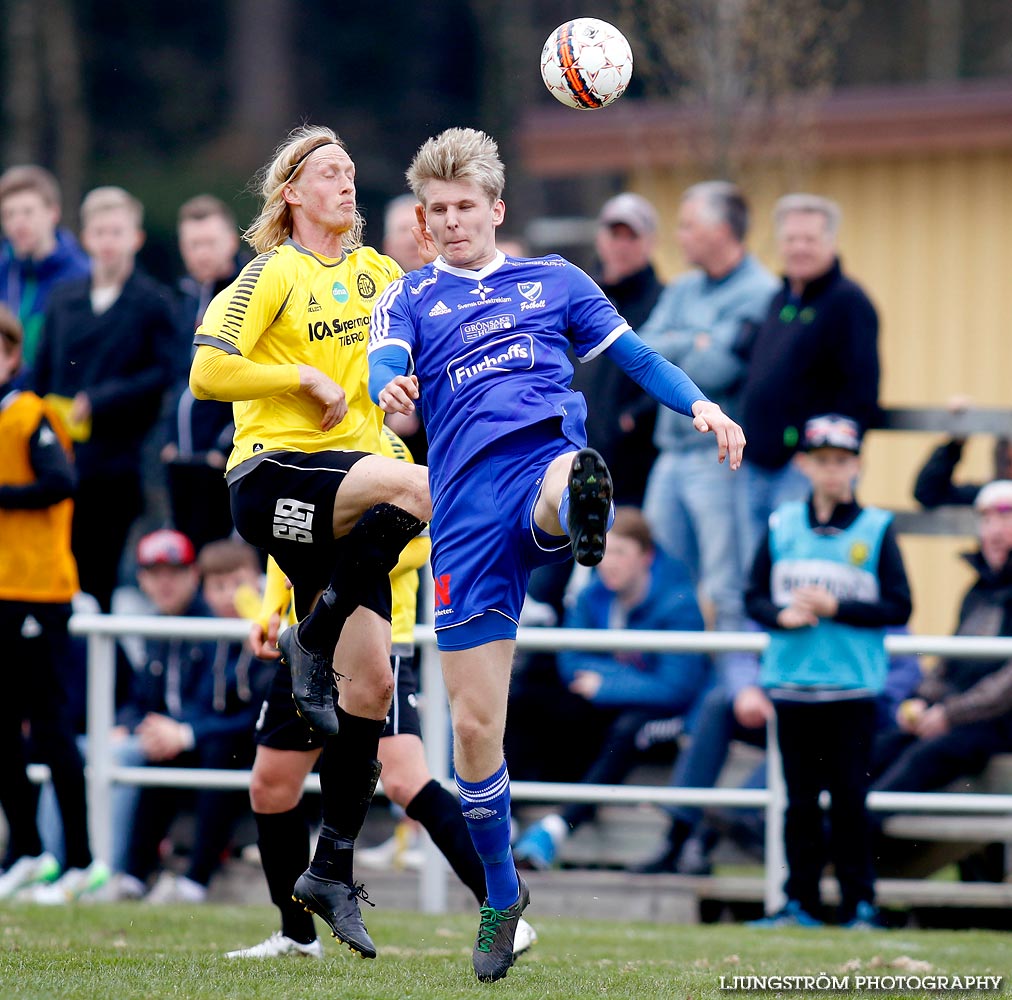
366	555
283	839
439	812
348	775
678	834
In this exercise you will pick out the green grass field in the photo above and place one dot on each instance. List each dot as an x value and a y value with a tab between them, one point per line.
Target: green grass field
130	951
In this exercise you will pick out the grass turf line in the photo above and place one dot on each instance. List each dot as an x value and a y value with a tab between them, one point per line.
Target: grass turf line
123	951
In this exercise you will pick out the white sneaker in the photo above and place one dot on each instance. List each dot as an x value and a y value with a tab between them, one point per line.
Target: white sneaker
171	888
28	871
120	888
402	852
523	938
278	945
73	885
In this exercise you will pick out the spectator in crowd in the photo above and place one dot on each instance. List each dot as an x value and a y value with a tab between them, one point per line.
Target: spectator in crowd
399	242
815	352
636	587
738	709
36	253
621	414
827	581
935	486
962	713
700	320
194	704
198	433
106	358
38	578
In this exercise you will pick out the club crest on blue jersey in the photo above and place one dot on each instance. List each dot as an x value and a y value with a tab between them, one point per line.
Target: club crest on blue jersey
530	290
508	354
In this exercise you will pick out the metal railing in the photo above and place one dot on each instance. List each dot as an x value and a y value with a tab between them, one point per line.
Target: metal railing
102	632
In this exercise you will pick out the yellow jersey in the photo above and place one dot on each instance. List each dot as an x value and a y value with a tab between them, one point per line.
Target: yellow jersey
292	306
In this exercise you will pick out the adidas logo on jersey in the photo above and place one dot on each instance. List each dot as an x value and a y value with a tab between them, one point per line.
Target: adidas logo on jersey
314	306
439	309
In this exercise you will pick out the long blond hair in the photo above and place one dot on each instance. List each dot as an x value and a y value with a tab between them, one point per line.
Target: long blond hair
274	223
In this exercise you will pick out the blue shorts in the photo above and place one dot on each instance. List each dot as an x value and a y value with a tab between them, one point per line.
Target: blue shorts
485	543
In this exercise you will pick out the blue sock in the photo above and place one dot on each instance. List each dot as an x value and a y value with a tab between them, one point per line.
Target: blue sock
564	512
486	808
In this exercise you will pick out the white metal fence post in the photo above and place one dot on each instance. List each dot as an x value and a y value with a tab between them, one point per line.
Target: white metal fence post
100	707
775	858
433	886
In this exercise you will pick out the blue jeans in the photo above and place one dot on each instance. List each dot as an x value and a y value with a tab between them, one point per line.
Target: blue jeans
692	509
760	492
126	753
700	766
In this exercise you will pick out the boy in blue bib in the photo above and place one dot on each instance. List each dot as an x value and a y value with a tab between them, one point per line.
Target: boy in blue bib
827	581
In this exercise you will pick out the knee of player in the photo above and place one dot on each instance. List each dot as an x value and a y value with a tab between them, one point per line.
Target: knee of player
274	791
472	729
413	492
399	788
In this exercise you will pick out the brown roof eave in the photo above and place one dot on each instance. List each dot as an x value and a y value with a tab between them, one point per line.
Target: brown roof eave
854	123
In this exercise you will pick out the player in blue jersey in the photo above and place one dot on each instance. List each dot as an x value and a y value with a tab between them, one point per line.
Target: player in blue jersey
484	338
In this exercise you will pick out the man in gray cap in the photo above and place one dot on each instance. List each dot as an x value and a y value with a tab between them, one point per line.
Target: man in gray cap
621	416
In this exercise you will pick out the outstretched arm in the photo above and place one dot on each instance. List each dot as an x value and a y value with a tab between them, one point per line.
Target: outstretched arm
669	385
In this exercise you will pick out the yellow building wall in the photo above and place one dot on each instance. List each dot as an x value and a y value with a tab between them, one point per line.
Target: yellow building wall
930	239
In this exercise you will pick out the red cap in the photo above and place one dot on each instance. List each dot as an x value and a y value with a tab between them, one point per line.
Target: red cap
165	547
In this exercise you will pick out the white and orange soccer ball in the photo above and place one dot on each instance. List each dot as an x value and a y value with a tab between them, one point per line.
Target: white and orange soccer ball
586	63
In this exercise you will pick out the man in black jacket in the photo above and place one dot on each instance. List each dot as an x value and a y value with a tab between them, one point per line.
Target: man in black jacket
106	353
198	432
621	416
816	352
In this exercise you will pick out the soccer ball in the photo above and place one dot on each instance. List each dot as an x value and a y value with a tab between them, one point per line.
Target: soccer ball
586	63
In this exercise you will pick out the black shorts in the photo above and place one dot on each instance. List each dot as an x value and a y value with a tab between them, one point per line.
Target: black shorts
280	726
285	505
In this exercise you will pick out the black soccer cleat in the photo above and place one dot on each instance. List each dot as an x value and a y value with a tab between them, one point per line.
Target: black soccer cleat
590	493
312	682
493	948
336	904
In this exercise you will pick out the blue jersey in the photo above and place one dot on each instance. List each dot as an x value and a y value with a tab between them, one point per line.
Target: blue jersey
493	356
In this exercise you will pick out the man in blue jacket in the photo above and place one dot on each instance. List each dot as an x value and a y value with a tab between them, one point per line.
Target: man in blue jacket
636	586
36	254
192	705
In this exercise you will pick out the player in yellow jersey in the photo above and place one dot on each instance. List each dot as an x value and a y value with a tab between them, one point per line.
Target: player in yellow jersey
287	749
286	344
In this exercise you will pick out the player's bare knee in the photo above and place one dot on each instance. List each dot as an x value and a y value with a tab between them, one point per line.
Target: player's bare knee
274	791
471	730
412	492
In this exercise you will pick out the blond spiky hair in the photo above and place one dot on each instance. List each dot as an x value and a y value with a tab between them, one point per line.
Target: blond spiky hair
458	154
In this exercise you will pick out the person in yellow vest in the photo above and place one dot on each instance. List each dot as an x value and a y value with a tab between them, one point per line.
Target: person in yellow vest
38	578
288	748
